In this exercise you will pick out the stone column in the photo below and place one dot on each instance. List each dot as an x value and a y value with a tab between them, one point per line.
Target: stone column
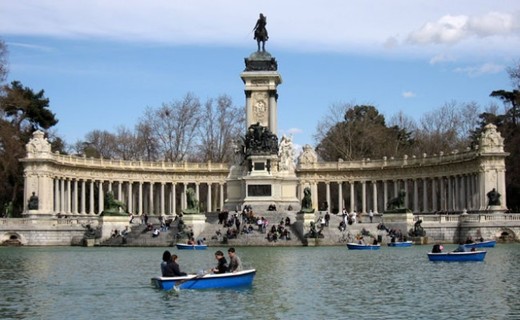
363	196
68	197
221	196
197	192
183	197
174	199
209	209
272	112
100	197
151	202
352	196
62	196
442	196
75	197
385	194
425	195
340	196
406	198
83	196
161	212
450	193
140	197
91	209
415	196
120	190
314	192
130	204
374	195
434	196
327	189
57	208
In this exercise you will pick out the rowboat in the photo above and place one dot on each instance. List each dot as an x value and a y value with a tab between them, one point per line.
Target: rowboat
481	244
400	244
358	246
183	246
206	281
457	256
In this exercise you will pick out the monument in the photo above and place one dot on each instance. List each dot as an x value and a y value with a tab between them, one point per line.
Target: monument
263	172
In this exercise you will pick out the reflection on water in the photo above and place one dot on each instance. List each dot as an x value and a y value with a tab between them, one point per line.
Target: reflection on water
291	283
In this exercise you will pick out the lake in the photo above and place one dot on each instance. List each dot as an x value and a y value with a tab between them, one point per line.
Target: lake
291	283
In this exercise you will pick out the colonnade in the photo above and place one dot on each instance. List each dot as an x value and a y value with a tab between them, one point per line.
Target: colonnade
423	195
73	196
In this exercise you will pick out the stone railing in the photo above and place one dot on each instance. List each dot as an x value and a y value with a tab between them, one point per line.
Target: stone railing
469	218
413	161
70	160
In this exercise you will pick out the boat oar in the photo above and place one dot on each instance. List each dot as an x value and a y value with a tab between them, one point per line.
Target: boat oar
177	285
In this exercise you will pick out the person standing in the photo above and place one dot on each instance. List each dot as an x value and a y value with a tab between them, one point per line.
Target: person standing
371	215
234	261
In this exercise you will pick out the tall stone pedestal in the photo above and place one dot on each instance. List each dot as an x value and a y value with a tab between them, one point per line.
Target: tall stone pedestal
196	222
403	221
110	223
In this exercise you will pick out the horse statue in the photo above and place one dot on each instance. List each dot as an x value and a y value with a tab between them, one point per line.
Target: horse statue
307	201
261	32
192	204
113	207
397	202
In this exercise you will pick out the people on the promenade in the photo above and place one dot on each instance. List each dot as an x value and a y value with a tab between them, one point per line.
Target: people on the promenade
371	215
327	219
222	265
234	261
155	233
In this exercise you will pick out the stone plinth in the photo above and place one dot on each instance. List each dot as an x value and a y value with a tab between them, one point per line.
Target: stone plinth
196	222
403	221
110	223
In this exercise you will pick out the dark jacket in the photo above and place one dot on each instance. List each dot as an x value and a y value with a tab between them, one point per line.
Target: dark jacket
222	265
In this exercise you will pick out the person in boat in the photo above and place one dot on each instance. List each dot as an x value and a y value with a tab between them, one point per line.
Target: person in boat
469	240
234	261
437	248
174	266
166	270
460	248
222	265
191	241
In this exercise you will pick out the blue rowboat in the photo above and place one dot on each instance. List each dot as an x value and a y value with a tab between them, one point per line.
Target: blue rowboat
206	281
457	256
357	246
400	244
481	244
183	246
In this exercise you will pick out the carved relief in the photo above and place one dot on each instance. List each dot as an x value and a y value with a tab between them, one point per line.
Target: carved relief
308	156
259	104
491	140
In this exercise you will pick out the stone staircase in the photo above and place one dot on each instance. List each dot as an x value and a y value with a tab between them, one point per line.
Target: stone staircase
332	236
139	236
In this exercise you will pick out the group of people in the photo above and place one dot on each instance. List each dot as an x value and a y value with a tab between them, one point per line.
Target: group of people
170	267
280	231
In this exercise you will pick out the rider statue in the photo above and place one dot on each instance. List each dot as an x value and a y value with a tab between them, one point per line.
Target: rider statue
261	32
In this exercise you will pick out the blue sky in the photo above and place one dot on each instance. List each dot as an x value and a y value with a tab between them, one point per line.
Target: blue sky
101	63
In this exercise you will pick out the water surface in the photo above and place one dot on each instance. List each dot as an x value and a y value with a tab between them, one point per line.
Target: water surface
291	283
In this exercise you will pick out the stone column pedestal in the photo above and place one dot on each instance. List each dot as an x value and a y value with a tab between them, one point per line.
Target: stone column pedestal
196	222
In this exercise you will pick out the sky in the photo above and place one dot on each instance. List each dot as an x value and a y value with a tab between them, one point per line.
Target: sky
102	63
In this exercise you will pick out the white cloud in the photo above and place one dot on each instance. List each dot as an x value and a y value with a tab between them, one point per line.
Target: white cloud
408	94
475	71
451	29
294	131
442	57
335	26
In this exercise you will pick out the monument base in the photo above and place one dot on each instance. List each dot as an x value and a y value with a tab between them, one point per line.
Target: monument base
196	222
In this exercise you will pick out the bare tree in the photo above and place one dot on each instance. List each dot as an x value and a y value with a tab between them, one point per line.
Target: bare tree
221	124
174	126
